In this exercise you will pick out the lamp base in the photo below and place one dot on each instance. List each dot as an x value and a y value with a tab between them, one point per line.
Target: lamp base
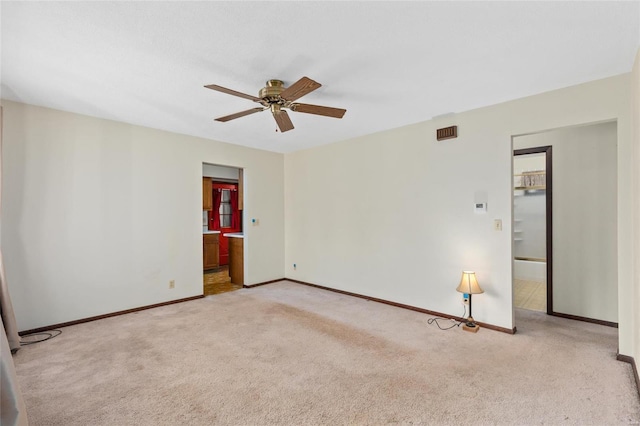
470	326
473	329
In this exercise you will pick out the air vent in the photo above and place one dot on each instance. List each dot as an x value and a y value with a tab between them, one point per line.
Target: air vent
447	133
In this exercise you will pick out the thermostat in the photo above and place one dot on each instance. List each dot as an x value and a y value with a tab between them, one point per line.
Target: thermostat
480	207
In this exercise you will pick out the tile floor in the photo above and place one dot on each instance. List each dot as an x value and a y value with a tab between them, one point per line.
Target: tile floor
530	295
218	281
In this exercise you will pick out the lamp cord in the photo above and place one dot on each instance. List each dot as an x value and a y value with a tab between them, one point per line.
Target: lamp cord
50	335
457	324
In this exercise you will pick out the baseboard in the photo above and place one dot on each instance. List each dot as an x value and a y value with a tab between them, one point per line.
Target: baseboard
585	319
113	314
630	360
400	305
263	283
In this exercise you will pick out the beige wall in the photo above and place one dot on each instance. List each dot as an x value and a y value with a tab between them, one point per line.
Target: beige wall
390	215
211	170
99	215
585	256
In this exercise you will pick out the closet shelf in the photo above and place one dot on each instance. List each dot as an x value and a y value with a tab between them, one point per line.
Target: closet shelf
534	179
527	188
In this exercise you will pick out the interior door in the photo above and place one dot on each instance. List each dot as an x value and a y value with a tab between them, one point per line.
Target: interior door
228	215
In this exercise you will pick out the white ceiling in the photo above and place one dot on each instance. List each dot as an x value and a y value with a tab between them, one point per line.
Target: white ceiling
388	63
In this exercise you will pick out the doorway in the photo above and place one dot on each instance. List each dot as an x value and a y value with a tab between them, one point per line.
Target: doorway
581	233
222	192
532	229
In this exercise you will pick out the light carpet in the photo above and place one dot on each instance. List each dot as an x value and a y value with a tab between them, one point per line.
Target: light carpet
289	354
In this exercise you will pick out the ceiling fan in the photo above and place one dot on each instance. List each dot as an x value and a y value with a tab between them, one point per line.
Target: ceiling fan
276	97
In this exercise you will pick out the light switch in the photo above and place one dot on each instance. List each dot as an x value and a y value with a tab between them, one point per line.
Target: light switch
497	224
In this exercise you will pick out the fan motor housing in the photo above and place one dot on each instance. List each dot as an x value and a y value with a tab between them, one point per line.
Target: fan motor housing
272	90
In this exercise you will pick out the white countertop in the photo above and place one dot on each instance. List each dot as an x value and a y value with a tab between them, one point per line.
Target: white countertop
210	232
234	235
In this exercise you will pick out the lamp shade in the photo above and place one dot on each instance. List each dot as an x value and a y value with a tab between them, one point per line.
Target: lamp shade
469	283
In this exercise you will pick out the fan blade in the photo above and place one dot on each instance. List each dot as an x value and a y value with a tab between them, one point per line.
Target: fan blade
283	121
232	92
319	110
300	88
239	114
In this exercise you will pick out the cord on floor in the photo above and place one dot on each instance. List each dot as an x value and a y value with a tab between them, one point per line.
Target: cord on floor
50	335
457	324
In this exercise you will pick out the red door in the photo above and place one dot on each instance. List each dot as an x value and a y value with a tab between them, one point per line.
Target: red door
225	216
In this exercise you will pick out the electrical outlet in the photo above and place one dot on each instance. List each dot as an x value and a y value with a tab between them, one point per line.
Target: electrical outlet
465	299
172	284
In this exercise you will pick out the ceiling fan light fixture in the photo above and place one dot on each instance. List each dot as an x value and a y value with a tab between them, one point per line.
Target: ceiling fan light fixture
275	96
